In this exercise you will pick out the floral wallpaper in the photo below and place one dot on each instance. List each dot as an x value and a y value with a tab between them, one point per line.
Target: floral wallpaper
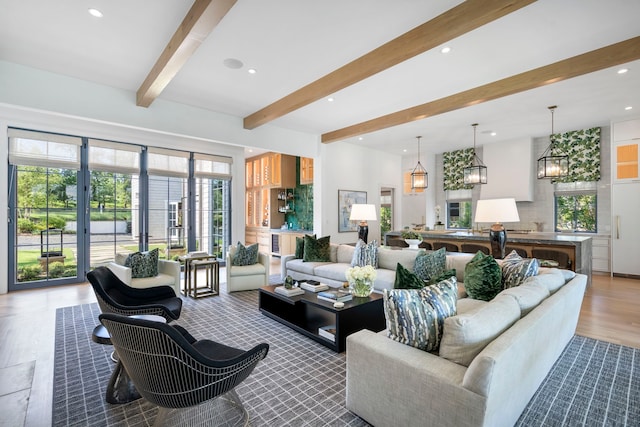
453	164
583	149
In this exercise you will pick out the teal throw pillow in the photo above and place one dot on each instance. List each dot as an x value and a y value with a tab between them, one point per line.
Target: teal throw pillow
416	316
143	264
482	277
316	250
429	265
516	269
245	255
405	279
365	254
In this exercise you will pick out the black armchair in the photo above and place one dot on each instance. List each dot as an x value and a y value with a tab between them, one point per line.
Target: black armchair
114	296
171	369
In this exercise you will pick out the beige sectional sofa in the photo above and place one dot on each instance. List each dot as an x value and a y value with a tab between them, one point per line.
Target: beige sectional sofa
492	358
332	273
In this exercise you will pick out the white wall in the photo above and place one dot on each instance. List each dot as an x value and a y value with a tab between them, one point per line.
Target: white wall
418	208
349	167
51	102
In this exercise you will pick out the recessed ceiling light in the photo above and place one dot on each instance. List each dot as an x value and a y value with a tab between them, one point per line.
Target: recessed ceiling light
404	151
494	133
622	70
628	108
251	71
95	12
330	99
360	138
445	49
233	63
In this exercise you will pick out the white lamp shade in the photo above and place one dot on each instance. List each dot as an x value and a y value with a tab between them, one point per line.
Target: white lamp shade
363	213
497	210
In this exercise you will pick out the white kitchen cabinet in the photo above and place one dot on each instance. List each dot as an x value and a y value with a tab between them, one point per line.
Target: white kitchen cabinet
625	236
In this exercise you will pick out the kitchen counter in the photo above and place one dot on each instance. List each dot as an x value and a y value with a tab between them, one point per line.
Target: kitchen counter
577	246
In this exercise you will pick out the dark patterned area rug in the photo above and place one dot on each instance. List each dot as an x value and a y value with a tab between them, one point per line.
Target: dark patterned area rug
302	383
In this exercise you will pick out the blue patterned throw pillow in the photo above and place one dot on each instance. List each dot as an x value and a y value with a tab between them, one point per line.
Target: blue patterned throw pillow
143	264
416	316
428	266
245	255
365	254
516	269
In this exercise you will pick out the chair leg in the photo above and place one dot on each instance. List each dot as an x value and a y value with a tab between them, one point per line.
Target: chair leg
235	399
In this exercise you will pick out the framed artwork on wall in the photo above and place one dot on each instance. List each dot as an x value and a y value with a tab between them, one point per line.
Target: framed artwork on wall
347	198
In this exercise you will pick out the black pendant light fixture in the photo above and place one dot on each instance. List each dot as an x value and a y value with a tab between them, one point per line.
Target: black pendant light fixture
419	176
477	172
553	163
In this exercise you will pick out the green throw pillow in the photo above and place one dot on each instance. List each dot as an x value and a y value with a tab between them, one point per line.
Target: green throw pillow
316	250
300	247
482	277
143	264
245	255
429	265
443	276
405	279
416	316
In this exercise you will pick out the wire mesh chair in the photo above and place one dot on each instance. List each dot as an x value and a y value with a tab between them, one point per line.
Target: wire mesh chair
114	296
173	370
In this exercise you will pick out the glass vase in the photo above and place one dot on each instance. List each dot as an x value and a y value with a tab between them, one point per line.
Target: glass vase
361	288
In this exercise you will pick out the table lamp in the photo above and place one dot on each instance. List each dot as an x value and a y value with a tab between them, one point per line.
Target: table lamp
363	213
497	211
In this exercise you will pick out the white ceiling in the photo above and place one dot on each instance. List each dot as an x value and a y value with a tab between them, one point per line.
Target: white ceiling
294	42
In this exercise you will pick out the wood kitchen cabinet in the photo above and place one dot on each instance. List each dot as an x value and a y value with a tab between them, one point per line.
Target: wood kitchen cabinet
306	170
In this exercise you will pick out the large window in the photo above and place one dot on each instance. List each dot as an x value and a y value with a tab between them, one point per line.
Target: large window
459	214
576	212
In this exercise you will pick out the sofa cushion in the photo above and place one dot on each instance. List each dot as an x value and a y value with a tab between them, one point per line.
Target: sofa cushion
304	267
429	265
516	269
344	254
365	254
389	258
385	279
317	250
143	264
467	305
466	335
405	279
247	270
416	316
458	261
482	277
245	255
527	296
550	278
334	271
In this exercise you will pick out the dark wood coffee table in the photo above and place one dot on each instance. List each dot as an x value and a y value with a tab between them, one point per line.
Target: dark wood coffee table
306	314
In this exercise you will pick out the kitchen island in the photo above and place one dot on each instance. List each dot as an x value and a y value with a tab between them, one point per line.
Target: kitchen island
577	247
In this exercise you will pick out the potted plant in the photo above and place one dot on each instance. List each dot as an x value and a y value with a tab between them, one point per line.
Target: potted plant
412	238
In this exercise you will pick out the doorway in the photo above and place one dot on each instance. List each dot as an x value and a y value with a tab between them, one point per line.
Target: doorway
387	202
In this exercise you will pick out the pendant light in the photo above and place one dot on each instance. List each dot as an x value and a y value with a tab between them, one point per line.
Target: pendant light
477	172
419	176
553	163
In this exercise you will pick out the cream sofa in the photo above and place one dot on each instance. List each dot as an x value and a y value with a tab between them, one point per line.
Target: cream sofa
247	277
168	274
492	358
332	273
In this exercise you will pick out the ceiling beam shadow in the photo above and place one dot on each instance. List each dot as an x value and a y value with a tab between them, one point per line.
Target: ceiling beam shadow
453	23
595	60
201	19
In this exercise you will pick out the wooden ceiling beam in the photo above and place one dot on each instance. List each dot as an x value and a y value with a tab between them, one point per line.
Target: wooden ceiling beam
609	56
455	22
201	19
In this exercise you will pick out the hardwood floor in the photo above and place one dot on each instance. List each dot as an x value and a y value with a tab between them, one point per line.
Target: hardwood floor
27	324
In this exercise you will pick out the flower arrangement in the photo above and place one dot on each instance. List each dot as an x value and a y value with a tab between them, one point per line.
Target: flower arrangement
361	280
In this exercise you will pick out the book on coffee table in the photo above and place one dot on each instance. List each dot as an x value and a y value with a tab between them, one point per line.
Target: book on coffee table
288	292
328	332
334	295
314	287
